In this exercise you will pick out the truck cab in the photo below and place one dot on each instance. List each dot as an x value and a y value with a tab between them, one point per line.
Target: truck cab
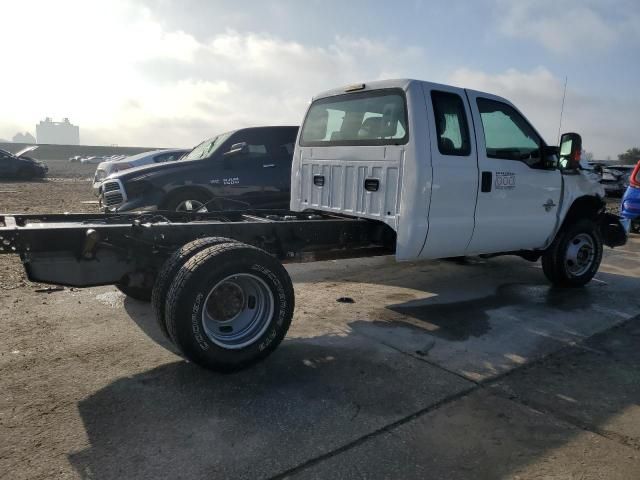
452	171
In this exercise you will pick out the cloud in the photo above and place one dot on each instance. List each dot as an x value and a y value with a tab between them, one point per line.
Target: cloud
116	69
607	125
570	26
125	79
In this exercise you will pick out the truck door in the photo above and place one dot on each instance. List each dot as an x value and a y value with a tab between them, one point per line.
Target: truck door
518	196
252	178
455	172
281	145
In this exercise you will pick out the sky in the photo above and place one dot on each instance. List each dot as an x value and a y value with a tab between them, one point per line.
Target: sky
171	73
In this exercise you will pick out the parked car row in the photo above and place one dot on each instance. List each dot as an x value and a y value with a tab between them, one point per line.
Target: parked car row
95	159
18	165
615	179
109	167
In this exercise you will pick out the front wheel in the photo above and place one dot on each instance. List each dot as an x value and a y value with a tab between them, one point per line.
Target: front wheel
574	256
188	201
229	306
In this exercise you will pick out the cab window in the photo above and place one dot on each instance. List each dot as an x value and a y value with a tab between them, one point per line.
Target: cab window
452	129
376	117
507	134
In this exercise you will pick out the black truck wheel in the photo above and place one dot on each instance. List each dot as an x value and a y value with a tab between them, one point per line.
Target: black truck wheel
574	256
229	306
188	201
170	269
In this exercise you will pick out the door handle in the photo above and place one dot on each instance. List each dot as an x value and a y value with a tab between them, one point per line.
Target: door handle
269	165
549	205
485	185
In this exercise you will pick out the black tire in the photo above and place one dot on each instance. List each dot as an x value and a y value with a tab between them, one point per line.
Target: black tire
564	269
139	293
175	201
635	226
188	305
169	270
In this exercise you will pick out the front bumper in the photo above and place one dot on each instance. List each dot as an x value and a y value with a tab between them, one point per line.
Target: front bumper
614	229
114	198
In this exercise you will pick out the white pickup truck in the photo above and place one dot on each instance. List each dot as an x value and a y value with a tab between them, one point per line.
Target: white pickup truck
453	172
400	167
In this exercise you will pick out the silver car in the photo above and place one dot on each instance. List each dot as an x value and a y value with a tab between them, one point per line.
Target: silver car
155	156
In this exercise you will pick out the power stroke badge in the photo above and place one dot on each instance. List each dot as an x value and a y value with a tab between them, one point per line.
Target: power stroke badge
505	181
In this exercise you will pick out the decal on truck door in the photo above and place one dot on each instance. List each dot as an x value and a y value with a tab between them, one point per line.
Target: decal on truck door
505	181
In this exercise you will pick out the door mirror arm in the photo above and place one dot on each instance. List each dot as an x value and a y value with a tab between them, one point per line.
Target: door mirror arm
549	157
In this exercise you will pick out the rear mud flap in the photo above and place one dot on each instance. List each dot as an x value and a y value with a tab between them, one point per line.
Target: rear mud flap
614	232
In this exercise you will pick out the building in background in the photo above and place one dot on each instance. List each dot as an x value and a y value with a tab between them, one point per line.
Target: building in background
61	133
25	137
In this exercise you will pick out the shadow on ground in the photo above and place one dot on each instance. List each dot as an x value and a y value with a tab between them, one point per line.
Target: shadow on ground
316	395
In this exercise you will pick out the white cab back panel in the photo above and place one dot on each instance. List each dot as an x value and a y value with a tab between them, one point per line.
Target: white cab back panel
344	171
403	172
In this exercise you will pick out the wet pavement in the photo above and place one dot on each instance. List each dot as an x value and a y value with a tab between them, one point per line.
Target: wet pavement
434	370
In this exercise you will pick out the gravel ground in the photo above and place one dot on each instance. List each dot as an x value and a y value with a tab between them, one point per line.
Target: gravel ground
66	169
46	196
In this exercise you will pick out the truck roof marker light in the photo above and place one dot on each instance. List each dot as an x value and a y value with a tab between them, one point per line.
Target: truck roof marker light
354	87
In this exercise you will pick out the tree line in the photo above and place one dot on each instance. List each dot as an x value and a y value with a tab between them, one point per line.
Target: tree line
630	157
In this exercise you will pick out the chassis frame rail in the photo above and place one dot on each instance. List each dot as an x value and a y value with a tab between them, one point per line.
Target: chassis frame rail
97	249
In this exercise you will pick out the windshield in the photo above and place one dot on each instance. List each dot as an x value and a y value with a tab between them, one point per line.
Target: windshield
207	148
375	117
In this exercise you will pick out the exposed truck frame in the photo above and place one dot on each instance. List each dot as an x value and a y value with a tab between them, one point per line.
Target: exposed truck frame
85	250
147	255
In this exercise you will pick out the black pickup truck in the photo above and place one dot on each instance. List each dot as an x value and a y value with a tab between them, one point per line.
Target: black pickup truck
246	168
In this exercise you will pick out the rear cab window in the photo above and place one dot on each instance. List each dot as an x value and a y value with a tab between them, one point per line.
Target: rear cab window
376	117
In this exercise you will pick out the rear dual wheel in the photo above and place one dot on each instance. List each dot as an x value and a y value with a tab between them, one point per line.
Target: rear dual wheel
170	269
228	305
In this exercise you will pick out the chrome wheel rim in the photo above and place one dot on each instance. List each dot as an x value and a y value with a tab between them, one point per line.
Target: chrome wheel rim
237	311
191	206
581	253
